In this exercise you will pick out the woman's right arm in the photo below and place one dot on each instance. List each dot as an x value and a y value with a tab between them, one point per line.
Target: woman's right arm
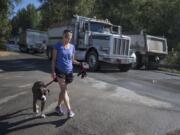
54	53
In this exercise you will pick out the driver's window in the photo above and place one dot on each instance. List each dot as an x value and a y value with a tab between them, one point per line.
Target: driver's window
115	29
86	27
81	28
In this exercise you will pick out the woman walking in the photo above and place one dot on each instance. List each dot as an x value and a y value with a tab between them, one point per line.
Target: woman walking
62	69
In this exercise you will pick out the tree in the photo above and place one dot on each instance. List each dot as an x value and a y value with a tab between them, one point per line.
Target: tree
6	7
55	11
160	18
26	18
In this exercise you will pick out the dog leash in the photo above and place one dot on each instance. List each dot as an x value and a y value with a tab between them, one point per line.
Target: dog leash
82	72
49	83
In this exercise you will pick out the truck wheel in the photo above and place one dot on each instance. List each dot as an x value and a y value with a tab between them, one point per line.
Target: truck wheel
31	51
21	49
124	67
92	59
152	63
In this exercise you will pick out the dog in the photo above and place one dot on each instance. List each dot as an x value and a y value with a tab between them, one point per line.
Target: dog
40	92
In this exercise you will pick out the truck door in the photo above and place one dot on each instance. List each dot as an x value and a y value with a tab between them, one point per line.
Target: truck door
83	37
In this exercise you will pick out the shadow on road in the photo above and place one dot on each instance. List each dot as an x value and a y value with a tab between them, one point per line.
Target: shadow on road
25	65
9	127
33	62
28	64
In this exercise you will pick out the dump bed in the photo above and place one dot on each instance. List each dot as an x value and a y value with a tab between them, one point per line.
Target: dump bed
156	44
148	44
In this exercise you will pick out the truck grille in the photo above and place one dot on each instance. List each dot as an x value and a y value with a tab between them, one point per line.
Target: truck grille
121	46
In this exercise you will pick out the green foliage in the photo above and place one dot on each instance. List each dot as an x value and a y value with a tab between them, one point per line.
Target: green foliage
174	56
6	7
2	46
25	18
4	24
171	58
56	12
178	53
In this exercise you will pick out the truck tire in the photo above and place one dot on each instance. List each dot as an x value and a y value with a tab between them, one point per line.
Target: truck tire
151	66
31	51
124	67
21	49
92	60
152	63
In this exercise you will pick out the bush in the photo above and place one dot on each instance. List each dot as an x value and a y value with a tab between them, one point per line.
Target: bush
2	46
170	59
173	58
178	58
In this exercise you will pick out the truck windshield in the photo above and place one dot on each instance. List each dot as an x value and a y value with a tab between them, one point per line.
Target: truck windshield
100	27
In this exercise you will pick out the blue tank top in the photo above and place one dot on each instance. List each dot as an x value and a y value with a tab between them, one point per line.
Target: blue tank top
64	56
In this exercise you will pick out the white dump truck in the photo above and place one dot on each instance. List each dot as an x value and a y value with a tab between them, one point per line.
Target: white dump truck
33	41
149	50
95	41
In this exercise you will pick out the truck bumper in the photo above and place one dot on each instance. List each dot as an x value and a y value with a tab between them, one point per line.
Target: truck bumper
117	59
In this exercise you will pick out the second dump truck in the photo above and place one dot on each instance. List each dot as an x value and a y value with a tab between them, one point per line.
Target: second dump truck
149	50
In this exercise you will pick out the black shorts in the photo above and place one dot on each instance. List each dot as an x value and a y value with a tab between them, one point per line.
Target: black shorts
67	76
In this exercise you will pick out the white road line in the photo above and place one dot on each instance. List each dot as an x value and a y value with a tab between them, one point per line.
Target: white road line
8	98
25	85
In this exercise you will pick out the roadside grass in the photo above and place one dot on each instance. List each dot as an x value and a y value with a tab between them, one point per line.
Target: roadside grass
171	70
4	52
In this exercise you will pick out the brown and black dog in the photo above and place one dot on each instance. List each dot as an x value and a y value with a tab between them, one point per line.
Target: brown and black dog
40	91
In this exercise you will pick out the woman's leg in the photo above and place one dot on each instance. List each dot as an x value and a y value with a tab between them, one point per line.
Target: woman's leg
67	100
63	96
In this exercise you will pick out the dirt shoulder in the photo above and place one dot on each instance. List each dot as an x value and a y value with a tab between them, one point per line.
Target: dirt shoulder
8	53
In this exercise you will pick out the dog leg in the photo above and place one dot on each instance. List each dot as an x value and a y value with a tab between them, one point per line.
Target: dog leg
35	110
42	109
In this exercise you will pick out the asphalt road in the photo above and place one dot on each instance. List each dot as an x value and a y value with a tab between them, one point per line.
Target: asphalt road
108	102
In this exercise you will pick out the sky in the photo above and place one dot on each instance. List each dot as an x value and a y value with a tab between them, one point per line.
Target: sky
24	3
